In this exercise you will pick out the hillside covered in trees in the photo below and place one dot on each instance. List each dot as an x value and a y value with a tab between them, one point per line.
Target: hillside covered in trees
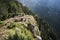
17	22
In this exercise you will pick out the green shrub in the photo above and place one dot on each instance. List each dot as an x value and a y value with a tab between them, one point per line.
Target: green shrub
1	23
11	26
19	32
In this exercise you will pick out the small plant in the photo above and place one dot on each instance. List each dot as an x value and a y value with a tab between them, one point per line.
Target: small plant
11	26
1	23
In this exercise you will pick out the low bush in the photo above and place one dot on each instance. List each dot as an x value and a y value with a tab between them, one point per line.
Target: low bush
11	26
17	31
1	23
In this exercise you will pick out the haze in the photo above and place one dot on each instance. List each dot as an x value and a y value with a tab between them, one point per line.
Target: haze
48	9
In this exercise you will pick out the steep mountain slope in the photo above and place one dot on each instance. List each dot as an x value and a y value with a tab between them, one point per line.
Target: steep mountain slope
17	22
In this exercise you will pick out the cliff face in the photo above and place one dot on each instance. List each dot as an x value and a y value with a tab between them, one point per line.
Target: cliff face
17	22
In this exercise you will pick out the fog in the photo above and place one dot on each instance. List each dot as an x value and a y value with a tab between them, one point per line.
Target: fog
48	9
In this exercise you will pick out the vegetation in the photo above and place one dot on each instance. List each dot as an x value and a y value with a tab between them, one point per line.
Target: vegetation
19	32
1	23
11	26
9	8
